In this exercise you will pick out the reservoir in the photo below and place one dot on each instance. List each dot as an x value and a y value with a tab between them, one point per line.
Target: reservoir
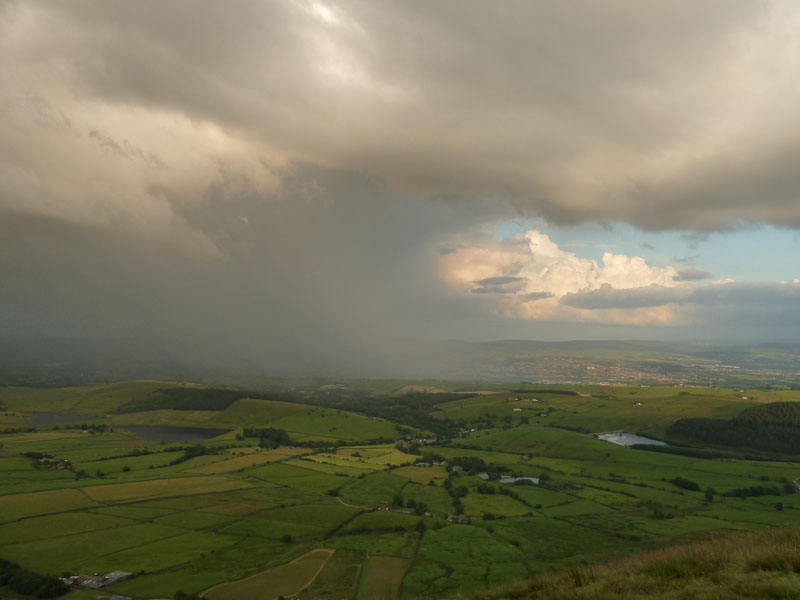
627	439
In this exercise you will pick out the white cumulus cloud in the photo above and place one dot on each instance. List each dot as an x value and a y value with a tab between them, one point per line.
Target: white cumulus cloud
534	275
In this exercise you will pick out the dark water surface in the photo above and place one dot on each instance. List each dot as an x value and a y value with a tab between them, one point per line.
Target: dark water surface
191	435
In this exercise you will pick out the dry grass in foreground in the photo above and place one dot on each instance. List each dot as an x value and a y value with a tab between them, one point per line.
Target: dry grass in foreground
764	564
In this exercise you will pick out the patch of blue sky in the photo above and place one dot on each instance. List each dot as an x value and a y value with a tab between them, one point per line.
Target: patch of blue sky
746	254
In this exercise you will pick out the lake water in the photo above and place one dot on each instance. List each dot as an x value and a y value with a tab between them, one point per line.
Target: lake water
628	439
189	435
60	418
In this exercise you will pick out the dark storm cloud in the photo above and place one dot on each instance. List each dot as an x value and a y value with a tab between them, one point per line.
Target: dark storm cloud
549	105
286	173
499	280
692	275
503	284
533	296
606	297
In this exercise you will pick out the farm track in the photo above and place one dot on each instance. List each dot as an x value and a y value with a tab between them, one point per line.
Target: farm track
308	583
353	505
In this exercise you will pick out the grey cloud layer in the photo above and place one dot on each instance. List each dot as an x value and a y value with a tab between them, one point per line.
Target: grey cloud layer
265	170
728	297
648	112
692	275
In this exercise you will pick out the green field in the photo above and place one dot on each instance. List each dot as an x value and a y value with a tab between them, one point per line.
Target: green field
337	511
162	488
286	580
338	578
382	577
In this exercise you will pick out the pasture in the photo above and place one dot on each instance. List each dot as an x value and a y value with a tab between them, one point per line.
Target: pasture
382	577
237	519
287	580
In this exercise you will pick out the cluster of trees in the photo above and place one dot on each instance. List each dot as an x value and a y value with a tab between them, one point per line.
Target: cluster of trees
755	490
686	484
269	437
36	455
412	409
776	413
473	465
746	431
485	488
19	430
30	583
134	452
456	493
695	452
419	508
193	452
90	427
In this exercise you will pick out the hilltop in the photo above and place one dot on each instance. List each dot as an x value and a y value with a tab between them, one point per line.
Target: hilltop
755	565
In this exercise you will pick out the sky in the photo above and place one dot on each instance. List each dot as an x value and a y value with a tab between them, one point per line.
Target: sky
308	179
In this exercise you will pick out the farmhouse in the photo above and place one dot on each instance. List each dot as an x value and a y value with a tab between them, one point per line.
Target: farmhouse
97	580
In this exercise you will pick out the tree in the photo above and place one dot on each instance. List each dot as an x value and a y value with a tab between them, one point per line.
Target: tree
485	488
686	484
710	494
459	506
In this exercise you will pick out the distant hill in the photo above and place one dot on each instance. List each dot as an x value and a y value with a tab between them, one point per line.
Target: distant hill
63	361
611	361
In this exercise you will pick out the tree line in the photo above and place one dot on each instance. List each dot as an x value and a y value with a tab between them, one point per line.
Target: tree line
30	583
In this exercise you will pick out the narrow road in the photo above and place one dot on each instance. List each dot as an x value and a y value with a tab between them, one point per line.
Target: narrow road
352	505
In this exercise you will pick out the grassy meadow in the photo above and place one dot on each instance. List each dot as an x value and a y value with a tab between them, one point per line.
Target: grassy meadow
359	505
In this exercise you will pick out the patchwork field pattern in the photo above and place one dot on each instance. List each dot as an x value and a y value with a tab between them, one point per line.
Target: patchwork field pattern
358	517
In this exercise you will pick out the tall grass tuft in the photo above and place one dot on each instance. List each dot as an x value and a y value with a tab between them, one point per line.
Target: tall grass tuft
763	564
